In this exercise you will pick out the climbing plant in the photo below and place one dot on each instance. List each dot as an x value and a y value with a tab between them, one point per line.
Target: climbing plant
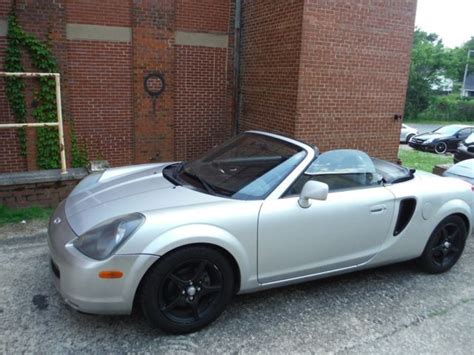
44	98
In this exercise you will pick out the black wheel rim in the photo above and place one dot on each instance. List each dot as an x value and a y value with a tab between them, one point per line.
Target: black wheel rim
441	148
190	291
448	245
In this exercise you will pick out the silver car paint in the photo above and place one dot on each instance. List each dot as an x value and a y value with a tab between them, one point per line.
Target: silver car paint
463	170
276	253
405	131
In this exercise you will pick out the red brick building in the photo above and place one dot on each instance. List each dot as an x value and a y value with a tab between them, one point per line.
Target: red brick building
332	73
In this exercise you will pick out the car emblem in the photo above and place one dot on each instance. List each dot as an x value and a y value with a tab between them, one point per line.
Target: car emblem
57	220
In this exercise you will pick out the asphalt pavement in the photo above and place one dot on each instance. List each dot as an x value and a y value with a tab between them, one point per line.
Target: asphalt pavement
394	309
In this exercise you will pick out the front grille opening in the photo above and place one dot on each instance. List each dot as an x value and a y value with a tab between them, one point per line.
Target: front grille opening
55	269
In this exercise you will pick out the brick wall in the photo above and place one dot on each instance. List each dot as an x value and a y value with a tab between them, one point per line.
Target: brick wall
353	73
297	77
332	73
270	47
45	194
203	105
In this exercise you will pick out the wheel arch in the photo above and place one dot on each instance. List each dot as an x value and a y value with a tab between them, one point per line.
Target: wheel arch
233	262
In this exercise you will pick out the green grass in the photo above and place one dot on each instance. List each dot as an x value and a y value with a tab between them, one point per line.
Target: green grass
440	122
421	160
15	215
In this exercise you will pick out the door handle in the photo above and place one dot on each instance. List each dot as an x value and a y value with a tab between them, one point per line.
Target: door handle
378	208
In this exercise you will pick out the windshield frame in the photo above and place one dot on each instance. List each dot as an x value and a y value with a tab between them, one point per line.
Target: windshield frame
279	189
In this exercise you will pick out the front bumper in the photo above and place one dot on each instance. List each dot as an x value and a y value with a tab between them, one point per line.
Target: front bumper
76	275
430	147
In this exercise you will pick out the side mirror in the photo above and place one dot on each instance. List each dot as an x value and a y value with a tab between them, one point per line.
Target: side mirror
313	190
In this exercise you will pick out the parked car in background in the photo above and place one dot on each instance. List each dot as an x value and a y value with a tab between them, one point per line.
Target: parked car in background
463	170
407	133
465	150
442	140
179	239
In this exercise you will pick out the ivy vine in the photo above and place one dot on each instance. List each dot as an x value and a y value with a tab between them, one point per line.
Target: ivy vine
44	98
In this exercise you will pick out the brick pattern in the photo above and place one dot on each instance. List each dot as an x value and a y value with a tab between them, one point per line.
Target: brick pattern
353	73
100	98
47	194
270	46
202	104
104	12
10	158
203	15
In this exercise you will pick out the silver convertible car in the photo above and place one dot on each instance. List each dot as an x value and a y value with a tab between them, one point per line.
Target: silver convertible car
180	239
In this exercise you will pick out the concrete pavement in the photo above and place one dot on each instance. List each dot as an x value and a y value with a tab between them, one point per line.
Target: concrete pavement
394	309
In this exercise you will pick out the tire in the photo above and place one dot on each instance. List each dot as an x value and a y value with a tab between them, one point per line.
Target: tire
445	246
441	148
410	136
187	289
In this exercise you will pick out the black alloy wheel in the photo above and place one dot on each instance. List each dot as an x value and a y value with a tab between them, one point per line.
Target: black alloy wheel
441	148
187	290
445	246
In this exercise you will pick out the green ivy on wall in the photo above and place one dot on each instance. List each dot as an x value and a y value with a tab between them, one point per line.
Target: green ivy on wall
45	97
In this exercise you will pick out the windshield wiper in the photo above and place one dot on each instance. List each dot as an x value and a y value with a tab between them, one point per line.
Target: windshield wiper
203	182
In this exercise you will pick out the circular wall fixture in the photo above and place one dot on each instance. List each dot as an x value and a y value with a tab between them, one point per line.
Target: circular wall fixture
154	84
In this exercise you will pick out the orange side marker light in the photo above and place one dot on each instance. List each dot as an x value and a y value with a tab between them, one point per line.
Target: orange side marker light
110	274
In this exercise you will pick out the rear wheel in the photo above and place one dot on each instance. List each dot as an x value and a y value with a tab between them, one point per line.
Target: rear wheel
187	289
445	246
409	137
441	148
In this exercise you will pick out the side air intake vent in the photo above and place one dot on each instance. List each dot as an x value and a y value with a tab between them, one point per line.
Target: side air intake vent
407	208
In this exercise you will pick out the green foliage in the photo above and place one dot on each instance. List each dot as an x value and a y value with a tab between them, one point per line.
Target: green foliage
43	60
79	152
428	63
15	215
15	88
449	108
45	97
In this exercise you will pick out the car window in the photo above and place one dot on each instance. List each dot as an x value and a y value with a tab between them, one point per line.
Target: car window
340	169
463	133
247	167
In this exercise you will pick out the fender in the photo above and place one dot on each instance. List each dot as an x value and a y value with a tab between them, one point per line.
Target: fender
207	234
453	207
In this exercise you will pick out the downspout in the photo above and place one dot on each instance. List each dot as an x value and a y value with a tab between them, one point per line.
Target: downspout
237	23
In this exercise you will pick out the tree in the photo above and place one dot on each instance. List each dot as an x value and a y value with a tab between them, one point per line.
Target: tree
428	64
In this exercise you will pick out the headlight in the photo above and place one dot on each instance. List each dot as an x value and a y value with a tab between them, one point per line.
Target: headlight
428	141
101	241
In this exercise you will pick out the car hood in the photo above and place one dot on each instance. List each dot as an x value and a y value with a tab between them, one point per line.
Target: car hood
431	135
120	191
464	170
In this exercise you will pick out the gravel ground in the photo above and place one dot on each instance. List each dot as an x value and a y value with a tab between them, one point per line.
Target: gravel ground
393	309
28	228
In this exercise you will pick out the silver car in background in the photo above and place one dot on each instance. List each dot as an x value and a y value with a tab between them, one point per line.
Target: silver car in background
180	239
407	133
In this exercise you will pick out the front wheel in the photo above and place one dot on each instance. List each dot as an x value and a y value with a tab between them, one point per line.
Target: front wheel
441	148
187	290
445	246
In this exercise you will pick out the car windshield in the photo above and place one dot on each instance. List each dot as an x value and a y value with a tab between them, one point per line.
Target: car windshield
247	167
448	130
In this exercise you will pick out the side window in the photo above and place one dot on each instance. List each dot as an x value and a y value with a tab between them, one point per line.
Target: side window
463	133
340	169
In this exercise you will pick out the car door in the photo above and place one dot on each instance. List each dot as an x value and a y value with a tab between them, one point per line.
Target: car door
345	230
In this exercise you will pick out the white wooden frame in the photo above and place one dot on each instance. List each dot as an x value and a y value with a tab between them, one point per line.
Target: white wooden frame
59	123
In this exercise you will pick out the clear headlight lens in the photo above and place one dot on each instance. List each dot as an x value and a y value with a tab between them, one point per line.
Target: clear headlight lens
428	141
103	240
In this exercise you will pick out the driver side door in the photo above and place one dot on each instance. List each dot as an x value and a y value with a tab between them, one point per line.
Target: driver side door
346	230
